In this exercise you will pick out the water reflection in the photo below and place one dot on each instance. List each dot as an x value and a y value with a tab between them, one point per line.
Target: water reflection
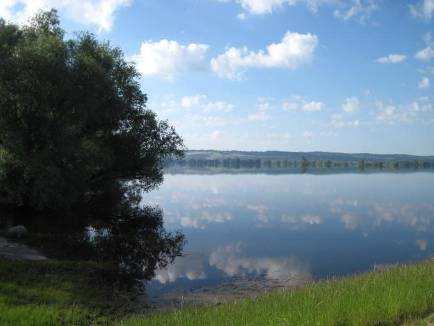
232	262
287	229
190	267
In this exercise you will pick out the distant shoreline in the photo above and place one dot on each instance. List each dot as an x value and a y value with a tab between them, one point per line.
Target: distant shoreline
365	155
296	162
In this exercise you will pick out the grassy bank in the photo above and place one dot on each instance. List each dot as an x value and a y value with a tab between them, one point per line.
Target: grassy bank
56	293
389	297
53	293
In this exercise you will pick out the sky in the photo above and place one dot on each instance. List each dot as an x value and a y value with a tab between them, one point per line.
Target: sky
290	75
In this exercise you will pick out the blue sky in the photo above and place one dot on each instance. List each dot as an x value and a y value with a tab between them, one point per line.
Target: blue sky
296	75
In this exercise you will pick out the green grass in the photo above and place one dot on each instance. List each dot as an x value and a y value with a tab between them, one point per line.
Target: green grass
379	298
70	293
429	321
57	293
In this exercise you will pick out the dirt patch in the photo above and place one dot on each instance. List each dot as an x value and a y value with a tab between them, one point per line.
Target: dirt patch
236	289
17	251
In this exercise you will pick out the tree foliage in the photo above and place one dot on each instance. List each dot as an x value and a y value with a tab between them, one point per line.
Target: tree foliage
78	144
72	118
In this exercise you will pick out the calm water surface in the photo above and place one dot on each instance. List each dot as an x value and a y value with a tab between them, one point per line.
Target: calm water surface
264	231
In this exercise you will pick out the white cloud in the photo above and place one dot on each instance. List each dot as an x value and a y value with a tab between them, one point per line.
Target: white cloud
294	50
351	104
419	110
258	116
241	16
213	121
392	58
218	106
99	13
391	114
358	8
216	135
259	7
386	112
201	102
308	135
298	103
424	83
338	121
261	113
313	106
421	105
424	9
426	54
168	58
346	9
190	101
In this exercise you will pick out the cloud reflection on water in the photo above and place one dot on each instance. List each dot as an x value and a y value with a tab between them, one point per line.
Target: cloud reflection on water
255	225
231	260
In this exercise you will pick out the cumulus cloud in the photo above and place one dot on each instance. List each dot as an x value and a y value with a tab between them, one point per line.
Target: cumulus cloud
351	104
420	110
216	135
424	83
260	7
421	105
202	102
357	8
261	113
308	135
99	13
258	116
313	106
298	103
194	106
386	112
241	16
337	121
391	114
168	58
423	9
294	50
346	10
425	54
191	101
392	58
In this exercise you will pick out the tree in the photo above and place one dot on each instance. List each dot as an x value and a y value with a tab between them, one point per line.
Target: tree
72	118
75	136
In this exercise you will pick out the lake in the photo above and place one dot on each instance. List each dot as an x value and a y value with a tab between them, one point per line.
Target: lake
250	233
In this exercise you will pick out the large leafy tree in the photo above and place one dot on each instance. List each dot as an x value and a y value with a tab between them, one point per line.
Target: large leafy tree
78	144
73	119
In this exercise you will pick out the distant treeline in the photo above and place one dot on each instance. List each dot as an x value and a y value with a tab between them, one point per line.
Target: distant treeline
249	160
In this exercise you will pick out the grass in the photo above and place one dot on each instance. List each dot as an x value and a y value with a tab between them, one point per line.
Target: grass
429	321
69	293
389	297
58	293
